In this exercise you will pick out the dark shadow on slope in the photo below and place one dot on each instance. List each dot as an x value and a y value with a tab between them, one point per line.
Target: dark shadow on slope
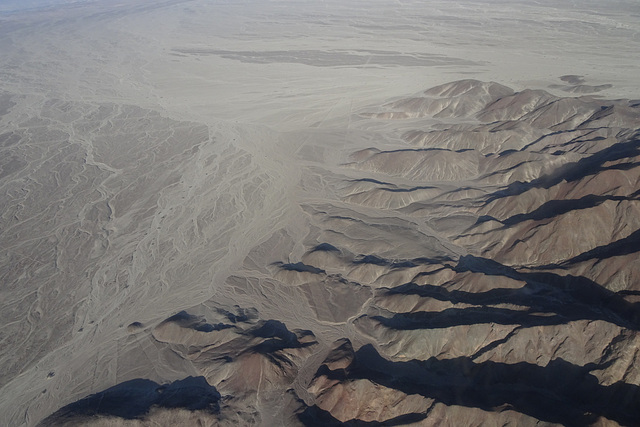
574	171
372	259
397	263
326	247
278	337
468	316
509	169
423	150
585	298
133	399
241	315
408	190
560	392
274	329
187	320
313	416
373	181
547	298
460	189
546	135
555	208
625	246
583	137
302	268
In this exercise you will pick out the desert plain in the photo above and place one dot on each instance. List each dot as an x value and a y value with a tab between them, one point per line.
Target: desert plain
319	213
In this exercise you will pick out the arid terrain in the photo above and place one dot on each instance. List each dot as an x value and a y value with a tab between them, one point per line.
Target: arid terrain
327	213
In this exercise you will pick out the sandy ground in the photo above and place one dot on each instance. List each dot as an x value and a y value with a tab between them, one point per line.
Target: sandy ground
151	150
